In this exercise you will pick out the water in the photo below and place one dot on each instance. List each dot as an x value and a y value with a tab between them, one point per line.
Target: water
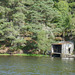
36	66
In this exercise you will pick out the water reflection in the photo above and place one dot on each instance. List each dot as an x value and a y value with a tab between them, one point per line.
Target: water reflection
36	66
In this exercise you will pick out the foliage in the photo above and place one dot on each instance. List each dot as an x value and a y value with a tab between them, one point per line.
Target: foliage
34	24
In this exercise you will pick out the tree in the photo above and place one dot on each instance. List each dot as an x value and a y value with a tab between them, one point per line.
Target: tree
34	24
65	21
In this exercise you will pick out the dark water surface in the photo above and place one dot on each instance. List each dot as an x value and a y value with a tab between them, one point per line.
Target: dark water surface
36	66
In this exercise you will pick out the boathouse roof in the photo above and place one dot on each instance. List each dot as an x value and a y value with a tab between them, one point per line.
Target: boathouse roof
62	42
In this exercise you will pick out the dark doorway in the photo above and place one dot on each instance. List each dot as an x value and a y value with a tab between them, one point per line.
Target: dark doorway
56	55
57	48
69	50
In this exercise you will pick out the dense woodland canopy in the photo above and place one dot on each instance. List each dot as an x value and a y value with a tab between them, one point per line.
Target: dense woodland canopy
35	24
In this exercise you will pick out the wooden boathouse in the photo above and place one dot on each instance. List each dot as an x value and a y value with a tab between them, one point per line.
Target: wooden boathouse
62	49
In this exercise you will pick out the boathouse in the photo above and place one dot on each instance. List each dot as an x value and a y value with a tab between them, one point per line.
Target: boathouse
62	49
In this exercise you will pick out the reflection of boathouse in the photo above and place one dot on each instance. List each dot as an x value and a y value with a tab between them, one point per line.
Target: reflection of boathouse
62	49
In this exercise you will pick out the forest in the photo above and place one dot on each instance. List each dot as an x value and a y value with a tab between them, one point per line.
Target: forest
32	26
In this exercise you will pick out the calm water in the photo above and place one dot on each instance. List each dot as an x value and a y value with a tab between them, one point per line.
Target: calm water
36	66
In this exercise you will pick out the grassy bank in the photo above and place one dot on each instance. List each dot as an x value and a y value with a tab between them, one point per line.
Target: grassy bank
22	55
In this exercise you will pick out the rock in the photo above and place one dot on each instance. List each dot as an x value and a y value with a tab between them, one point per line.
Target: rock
4	51
20	52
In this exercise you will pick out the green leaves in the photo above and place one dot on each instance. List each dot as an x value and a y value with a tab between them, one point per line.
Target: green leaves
19	18
35	23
